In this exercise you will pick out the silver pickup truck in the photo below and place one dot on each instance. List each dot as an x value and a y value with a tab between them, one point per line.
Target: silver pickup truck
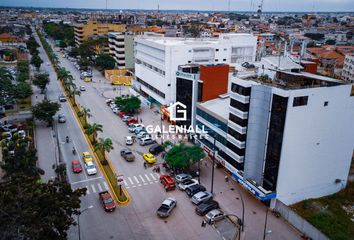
166	207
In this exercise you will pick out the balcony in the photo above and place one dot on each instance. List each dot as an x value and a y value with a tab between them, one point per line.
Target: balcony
239	97
238	128
238	113
236	142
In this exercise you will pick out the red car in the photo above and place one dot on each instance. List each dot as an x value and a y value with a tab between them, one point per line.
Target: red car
131	120
121	114
168	182
107	201
76	166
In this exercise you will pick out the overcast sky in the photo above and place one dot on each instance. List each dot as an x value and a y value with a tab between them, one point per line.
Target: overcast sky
235	5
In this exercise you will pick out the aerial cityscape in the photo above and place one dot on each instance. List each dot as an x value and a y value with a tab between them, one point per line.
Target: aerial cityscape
184	120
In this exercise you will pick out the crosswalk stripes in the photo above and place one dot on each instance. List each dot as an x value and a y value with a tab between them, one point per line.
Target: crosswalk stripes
142	179
93	188
131	181
87	190
136	179
147	177
99	187
152	175
105	185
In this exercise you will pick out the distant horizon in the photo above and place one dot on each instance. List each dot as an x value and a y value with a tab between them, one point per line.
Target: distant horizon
168	10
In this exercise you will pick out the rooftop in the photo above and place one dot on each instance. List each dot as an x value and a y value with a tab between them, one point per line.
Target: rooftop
219	106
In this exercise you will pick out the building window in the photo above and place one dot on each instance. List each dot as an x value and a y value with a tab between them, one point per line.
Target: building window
216	60
240	152
325	103
212	119
233	162
245	91
238	136
161	94
189	61
224	59
300	101
217	50
244	107
238	121
225	49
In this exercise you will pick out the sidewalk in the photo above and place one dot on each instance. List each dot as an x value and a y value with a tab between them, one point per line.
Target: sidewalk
255	212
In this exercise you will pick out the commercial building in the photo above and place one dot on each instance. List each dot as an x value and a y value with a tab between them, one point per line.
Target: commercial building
280	138
95	28
348	68
157	60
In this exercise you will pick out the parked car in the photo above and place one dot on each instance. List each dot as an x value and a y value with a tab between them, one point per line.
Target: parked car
115	110
62	98
166	207
127	155
214	215
132	127
76	166
61	118
113	106
187	183
107	201
90	168
200	197
149	158
109	101
167	182
206	207
139	129
182	177
82	88
121	114
131	120
21	134
126	117
190	191
129	140
9	128
143	134
146	141
7	135
156	149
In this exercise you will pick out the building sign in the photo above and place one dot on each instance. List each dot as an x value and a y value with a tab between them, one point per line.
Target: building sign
120	180
256	192
186	75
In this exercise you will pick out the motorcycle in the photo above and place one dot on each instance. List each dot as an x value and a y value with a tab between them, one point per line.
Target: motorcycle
67	139
74	151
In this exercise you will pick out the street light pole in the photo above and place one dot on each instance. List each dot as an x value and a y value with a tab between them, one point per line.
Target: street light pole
212	167
243	208
78	219
265	225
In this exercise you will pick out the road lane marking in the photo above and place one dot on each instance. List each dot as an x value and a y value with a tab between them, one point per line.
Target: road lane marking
139	185
87	190
133	186
127	187
151	182
147	178
136	179
93	188
99	187
158	176
156	181
142	179
90	179
105	185
131	181
145	183
152	175
125	182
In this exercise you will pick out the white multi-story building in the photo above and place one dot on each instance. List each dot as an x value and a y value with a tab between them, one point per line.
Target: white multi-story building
117	47
348	68
157	59
288	139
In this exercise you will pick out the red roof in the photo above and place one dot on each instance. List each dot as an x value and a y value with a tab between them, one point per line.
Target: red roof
7	35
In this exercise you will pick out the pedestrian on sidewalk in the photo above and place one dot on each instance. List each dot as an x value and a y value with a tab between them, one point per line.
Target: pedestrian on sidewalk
226	179
141	120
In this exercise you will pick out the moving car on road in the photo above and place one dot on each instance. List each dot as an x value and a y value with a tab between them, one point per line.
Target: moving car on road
214	215
166	207
61	118
82	88
187	183
129	140
107	201
90	168
149	158
76	166
167	182
190	191
201	197
62	98
86	156
127	155
205	207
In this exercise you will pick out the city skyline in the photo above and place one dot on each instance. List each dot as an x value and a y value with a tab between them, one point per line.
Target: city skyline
202	5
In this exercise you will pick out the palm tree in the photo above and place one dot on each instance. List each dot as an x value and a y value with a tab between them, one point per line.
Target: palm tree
5	74
104	145
85	113
73	91
92	129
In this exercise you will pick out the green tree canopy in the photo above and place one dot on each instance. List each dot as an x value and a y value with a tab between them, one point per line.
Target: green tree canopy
41	80
62	32
30	209
45	111
36	61
23	90
182	156
105	61
6	87
128	103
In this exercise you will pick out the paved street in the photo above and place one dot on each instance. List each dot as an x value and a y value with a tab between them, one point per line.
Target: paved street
139	220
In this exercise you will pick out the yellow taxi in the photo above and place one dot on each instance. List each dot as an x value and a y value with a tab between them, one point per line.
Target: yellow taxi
127	84
87	79
87	157
149	158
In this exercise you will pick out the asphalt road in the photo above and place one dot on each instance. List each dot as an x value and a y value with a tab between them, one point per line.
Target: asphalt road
138	220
